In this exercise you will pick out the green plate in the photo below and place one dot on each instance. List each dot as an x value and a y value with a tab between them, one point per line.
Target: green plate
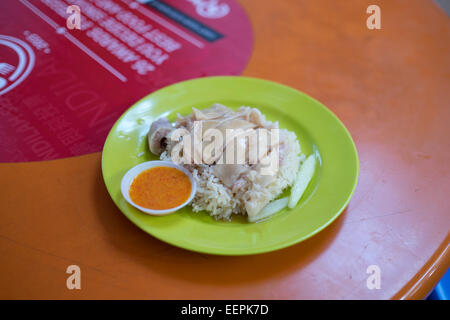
317	129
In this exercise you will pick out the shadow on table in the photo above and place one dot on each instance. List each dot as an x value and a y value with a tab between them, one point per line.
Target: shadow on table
175	262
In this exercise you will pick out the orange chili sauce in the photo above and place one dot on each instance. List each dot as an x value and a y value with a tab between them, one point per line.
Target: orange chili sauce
160	188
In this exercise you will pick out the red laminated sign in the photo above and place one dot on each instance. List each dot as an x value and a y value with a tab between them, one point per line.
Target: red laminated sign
70	68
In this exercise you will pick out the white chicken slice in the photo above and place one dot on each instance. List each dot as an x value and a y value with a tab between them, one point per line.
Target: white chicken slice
216	111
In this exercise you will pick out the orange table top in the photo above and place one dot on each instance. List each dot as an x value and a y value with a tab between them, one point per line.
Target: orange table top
389	87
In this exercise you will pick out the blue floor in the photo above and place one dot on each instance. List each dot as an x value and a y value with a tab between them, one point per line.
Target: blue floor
444	4
442	289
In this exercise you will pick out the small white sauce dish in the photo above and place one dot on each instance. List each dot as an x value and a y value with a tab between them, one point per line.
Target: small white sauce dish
128	178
